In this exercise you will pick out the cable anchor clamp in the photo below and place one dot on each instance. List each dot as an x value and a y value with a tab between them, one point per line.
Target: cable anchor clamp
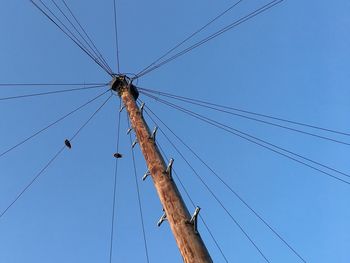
194	219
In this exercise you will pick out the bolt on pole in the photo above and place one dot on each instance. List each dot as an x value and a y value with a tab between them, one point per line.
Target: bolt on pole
184	227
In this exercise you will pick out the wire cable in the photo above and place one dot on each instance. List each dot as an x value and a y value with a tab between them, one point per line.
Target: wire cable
87	35
251	138
190	36
51	92
245	111
49	162
139	198
90	51
223	182
98	56
72	38
90	118
115	189
262	121
262	143
116	33
214	35
50	84
76	38
51	124
32	181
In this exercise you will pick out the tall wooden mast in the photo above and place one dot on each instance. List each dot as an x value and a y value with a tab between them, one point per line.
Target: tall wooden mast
183	226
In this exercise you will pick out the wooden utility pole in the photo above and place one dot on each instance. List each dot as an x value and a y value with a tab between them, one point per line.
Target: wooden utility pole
182	225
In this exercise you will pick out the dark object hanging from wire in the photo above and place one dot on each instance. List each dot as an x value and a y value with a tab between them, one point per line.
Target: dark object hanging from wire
68	144
118	155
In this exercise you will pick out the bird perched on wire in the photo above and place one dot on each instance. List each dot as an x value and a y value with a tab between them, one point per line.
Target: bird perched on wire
68	144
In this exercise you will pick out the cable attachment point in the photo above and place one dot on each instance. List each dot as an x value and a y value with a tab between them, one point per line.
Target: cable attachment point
141	108
153	136
169	168
162	219
194	219
121	109
121	82
134	143
144	177
128	131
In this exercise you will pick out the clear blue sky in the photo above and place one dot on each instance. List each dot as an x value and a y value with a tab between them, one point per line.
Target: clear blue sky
290	62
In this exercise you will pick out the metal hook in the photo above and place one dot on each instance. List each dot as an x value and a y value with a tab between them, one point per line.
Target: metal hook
134	143
141	108
153	136
169	169
144	177
194	219
162	219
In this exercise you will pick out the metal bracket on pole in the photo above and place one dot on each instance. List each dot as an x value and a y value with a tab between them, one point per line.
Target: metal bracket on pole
161	219
134	143
144	177
153	136
121	109
128	131
194	219
169	168
141	108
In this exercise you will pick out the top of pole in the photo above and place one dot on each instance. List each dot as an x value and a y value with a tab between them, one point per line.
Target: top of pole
120	82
